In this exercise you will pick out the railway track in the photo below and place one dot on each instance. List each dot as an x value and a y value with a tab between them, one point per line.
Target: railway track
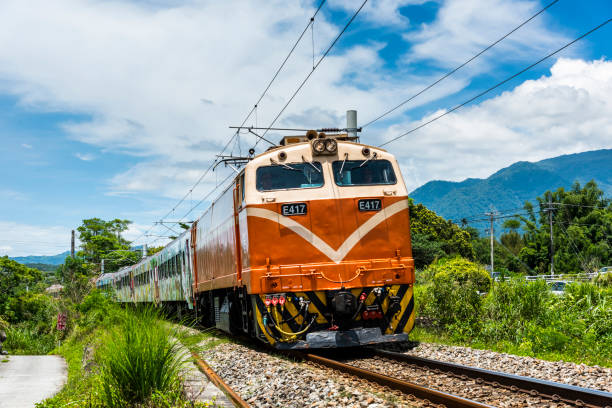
424	393
470	386
556	392
215	379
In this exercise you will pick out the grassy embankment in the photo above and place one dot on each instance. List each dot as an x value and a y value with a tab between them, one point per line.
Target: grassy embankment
123	358
516	316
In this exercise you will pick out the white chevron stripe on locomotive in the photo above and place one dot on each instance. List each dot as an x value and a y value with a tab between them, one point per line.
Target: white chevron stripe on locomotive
335	255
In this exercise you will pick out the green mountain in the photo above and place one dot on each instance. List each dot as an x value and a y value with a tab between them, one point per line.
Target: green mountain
41	259
510	187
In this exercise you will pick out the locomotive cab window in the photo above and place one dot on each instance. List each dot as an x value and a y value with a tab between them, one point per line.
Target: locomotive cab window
363	173
289	176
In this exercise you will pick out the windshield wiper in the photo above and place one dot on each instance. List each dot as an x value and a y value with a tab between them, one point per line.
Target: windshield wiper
282	164
342	166
368	159
309	162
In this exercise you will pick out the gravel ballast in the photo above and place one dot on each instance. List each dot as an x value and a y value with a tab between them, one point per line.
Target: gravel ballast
265	380
581	375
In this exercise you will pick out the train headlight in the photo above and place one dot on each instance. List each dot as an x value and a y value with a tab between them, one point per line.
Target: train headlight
318	146
331	145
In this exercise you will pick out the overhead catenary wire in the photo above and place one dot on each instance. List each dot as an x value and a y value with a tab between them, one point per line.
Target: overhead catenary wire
253	109
443	77
234	135
315	66
497	85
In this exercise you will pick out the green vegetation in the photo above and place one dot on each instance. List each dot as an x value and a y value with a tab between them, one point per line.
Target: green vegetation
515	316
121	358
582	233
27	314
434	237
138	357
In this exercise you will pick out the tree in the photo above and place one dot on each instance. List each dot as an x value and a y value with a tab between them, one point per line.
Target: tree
99	238
16	280
434	237
582	230
75	275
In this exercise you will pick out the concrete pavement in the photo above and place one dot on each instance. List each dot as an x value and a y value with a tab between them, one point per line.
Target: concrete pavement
26	380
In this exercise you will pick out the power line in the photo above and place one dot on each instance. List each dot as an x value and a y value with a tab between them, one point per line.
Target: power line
315	66
243	122
460	66
207	195
498	84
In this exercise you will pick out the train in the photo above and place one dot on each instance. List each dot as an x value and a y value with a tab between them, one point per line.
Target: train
308	247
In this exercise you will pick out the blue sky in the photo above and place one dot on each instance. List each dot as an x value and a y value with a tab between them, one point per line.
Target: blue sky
115	108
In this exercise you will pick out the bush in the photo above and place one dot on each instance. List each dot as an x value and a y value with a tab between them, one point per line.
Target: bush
139	357
456	293
603	280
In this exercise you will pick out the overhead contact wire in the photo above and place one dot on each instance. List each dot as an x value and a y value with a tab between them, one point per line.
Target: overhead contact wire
498	84
310	22
442	78
312	71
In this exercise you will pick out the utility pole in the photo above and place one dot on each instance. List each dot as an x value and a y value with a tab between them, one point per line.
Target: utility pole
102	268
144	250
72	245
491	216
549	209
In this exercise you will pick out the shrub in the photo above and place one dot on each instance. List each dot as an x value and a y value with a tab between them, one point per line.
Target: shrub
456	292
139	357
603	280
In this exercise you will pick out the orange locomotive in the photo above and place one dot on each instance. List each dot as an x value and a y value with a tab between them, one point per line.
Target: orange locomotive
317	251
308	248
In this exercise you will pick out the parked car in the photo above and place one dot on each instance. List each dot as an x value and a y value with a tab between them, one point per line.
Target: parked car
605	269
558	287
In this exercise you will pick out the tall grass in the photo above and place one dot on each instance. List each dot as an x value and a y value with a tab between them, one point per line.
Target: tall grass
23	339
139	357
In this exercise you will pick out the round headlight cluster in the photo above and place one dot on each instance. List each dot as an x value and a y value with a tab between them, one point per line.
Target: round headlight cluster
331	145
318	146
323	146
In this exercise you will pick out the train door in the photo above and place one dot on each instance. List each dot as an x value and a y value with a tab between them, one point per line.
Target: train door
186	276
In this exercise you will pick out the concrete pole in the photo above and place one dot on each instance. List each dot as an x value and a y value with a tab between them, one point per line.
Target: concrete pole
552	238
492	243
72	245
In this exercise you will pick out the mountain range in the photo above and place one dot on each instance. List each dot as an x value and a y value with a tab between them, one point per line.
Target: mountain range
510	187
42	259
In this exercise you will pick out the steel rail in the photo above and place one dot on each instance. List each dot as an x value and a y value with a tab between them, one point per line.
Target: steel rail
215	379
555	391
434	396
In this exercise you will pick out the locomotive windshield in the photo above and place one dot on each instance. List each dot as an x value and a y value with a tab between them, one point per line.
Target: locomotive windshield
292	175
363	173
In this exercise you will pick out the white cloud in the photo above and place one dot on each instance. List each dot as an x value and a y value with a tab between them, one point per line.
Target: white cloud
18	239
568	111
465	27
162	80
85	156
26	146
23	239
